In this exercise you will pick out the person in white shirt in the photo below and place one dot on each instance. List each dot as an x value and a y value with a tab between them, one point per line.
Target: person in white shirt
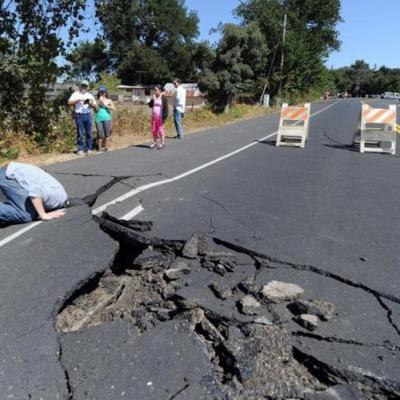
83	103
179	108
30	193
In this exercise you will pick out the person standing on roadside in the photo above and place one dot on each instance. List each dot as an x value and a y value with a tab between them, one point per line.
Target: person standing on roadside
159	106
179	108
103	118
83	102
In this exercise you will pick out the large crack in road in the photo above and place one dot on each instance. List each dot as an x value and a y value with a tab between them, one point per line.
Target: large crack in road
193	320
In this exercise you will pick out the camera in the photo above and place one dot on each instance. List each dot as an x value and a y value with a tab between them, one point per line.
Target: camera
87	101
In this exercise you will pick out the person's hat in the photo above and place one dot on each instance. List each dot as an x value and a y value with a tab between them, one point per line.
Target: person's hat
85	83
102	88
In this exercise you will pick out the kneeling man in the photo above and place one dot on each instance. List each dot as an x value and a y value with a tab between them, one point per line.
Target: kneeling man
30	193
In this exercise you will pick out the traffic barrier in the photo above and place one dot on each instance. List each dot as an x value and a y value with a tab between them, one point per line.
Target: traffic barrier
378	129
293	126
398	128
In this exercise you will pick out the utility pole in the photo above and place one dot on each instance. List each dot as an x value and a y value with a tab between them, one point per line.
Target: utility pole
282	59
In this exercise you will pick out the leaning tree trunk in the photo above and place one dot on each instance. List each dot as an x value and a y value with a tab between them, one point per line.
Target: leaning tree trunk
228	103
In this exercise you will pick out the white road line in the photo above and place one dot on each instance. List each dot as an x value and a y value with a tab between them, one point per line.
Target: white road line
19	233
148	186
143	188
132	214
155	184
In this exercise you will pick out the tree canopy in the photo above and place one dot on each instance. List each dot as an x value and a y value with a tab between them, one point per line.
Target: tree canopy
150	40
360	79
30	43
238	64
311	37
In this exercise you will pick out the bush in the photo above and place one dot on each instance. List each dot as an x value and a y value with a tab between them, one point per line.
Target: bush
9	146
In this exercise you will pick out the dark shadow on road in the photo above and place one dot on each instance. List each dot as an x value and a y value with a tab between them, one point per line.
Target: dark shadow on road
348	147
142	146
336	144
268	142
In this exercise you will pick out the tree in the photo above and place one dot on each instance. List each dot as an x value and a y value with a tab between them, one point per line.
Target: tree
111	82
88	60
240	61
311	36
30	42
360	79
150	40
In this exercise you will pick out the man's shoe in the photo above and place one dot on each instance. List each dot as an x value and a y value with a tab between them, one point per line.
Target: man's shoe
89	152
80	153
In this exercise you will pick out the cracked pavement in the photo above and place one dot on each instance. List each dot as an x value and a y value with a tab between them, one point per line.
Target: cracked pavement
324	218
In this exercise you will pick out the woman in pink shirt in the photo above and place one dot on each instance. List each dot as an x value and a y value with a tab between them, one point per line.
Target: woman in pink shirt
159	106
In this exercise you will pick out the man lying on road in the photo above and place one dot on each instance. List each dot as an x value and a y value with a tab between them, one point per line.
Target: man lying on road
31	194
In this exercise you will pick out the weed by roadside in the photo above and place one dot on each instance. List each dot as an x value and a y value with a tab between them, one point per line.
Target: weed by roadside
131	125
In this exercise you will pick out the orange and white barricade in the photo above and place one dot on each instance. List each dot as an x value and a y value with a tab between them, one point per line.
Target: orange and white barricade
378	129
293	126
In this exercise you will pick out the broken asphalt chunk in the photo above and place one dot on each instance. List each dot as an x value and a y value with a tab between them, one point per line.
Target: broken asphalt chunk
150	258
249	286
278	292
191	247
173	274
199	244
323	309
377	368
338	392
205	247
156	365
249	305
308	321
263	362
220	291
128	237
140	226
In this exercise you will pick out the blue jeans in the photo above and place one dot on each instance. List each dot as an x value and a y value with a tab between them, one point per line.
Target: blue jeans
178	116
18	207
84	125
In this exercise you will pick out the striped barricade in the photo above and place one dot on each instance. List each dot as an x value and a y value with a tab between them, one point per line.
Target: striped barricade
378	129
293	126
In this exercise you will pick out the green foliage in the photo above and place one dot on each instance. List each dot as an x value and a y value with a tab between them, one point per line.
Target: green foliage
150	40
9	150
110	81
30	44
238	64
366	79
89	60
311	36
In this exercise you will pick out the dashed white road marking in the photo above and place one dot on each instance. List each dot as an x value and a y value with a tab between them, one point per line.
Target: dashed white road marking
132	214
148	186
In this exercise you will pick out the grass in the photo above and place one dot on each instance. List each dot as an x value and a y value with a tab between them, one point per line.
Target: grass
131	125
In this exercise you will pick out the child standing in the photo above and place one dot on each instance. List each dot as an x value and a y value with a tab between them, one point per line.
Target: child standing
159	106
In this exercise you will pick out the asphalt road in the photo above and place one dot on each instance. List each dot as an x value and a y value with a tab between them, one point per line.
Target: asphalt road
326	208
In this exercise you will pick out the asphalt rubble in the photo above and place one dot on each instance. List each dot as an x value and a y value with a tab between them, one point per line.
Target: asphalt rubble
206	319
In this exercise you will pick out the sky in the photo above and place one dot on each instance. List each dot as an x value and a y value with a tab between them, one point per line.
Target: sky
370	31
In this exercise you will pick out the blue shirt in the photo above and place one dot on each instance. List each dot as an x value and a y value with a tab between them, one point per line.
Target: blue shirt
38	183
